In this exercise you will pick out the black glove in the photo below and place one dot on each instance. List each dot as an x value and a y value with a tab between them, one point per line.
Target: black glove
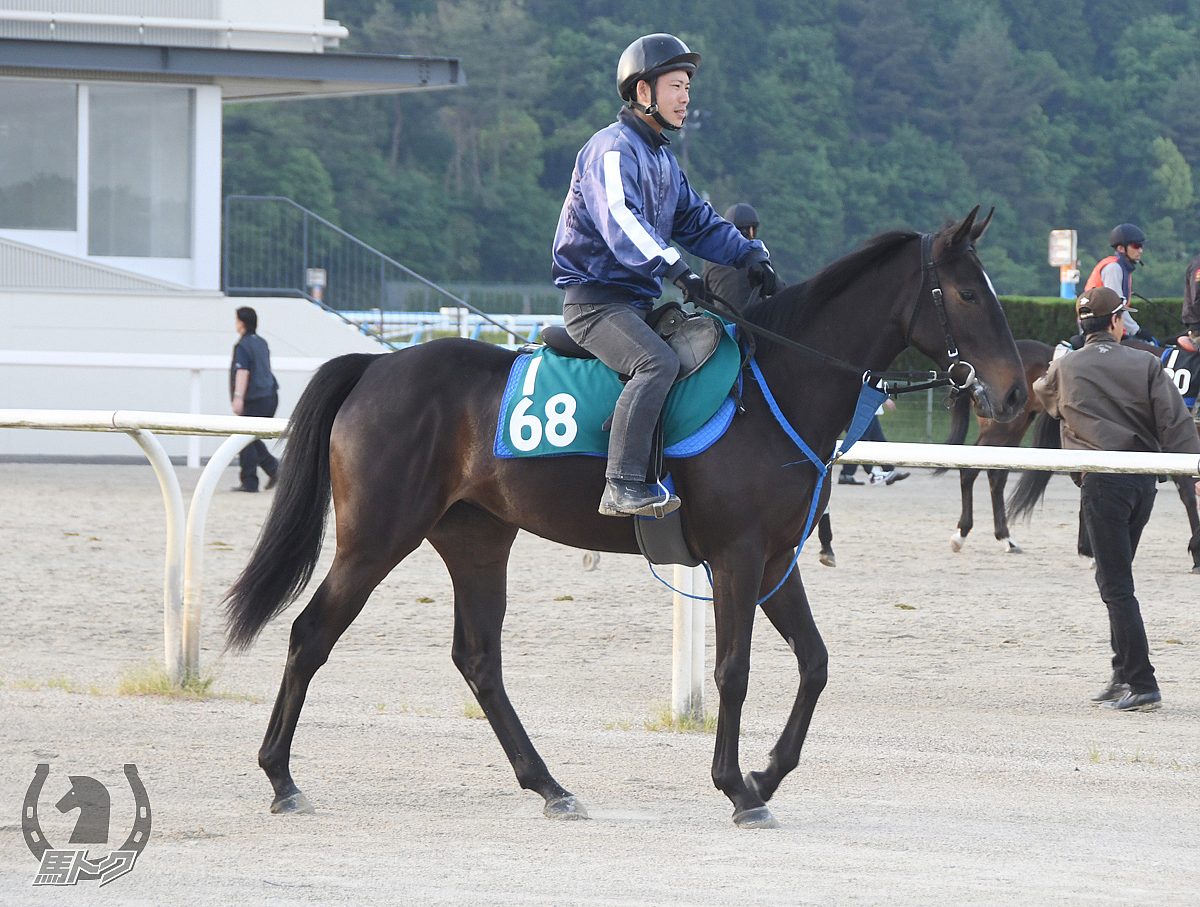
761	274
692	285
1145	335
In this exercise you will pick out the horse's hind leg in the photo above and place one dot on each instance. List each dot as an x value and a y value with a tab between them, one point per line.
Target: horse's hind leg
825	536
997	479
337	602
1187	493
966	521
789	612
475	546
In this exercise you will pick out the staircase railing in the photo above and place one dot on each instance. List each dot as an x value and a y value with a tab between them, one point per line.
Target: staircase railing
275	247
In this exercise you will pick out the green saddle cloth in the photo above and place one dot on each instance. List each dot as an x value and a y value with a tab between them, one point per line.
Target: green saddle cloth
556	405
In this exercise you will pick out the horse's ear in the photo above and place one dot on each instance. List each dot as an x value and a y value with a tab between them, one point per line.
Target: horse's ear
963	229
980	228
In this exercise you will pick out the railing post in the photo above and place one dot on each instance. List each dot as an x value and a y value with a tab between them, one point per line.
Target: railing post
173	573
193	454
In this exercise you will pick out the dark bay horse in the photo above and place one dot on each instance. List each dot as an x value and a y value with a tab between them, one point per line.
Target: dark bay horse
1035	357
403	443
1031	486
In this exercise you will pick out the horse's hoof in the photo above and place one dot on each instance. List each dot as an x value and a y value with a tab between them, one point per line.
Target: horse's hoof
565	808
294	804
1012	547
758	817
591	560
827	558
1196	569
957	542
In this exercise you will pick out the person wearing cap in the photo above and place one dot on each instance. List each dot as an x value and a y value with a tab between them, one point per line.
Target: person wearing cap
1191	303
1114	397
628	200
1116	272
725	281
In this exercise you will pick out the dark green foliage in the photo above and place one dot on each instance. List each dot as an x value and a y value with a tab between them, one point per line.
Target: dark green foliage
837	119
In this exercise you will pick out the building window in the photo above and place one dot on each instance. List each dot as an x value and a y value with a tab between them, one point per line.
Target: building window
140	171
38	154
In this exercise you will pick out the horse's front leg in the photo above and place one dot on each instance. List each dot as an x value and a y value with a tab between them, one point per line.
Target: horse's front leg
789	612
735	588
966	521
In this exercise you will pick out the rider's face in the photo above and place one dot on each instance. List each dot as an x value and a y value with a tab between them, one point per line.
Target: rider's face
672	92
1133	251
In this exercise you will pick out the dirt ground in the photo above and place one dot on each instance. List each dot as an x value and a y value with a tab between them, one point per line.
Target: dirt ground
953	759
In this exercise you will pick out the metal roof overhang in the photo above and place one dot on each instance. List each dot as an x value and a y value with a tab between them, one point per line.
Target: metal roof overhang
244	75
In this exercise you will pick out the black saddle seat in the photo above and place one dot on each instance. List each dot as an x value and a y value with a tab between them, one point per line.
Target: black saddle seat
556	337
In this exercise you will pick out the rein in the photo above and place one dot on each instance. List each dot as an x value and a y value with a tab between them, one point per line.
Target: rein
913	381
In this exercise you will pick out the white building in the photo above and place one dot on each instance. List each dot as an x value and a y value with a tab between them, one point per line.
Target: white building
110	196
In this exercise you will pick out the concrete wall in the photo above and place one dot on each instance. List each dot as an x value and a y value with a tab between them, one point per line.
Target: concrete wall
146	323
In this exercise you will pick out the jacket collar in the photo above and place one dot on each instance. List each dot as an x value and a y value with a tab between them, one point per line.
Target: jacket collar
654	139
1100	337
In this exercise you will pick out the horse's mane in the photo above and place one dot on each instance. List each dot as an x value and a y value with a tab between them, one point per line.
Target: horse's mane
792	308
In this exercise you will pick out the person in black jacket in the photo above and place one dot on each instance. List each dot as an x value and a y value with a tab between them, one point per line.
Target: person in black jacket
726	281
254	392
1191	304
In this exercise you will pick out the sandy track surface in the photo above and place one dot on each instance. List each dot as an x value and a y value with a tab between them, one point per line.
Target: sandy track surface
953	758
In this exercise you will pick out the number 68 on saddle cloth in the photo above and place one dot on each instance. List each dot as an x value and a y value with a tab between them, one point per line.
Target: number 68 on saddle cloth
556	405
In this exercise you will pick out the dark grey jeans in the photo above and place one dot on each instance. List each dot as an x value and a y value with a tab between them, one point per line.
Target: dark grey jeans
617	335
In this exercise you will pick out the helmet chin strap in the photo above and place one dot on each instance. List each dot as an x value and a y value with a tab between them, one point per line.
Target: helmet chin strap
652	110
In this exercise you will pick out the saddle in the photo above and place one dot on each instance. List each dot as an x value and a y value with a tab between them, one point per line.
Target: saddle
693	338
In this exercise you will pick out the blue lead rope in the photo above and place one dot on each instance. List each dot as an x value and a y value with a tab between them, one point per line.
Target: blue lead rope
869	401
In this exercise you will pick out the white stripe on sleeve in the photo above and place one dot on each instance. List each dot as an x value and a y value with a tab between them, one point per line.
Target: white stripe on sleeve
638	235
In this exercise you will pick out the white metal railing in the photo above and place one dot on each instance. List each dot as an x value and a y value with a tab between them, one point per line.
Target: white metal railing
421	326
195	364
185	538
687	661
183	571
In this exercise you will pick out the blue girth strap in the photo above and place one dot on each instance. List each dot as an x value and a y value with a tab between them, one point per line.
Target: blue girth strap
869	401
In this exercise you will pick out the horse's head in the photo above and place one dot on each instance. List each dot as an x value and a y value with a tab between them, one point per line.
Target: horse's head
973	340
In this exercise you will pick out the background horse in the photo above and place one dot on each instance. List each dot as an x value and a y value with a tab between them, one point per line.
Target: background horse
1032	485
403	442
1035	357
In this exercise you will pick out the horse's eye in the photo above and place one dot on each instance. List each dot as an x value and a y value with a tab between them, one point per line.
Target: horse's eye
967	295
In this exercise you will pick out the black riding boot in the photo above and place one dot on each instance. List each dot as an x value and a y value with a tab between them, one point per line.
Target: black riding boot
636	499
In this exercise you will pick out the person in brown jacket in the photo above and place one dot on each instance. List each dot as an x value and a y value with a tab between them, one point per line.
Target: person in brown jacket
1113	397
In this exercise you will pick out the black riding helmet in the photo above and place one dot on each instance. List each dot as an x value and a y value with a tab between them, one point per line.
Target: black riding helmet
1125	234
742	215
648	58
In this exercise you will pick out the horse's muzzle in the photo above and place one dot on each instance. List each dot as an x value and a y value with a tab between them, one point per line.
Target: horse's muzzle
987	406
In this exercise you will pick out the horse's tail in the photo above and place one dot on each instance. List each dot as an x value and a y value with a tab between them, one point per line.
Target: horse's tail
960	421
290	541
1032	485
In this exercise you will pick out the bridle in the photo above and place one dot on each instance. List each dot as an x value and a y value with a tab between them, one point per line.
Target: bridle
929	274
959	377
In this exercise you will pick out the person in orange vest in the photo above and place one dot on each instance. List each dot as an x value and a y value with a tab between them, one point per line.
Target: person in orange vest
1116	272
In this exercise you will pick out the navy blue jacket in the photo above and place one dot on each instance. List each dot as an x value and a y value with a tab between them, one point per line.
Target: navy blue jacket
627	202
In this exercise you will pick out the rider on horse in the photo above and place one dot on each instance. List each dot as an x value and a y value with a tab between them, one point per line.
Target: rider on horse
627	201
1116	271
